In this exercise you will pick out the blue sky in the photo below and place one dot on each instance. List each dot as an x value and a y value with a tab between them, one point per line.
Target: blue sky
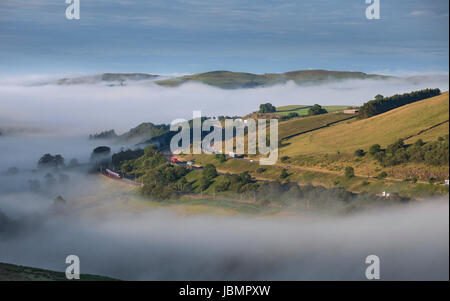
187	36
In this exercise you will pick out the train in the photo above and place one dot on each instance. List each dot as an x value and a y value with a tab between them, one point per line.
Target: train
112	174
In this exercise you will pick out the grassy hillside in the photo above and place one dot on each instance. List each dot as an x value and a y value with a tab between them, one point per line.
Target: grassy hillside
233	80
10	272
383	129
143	132
299	125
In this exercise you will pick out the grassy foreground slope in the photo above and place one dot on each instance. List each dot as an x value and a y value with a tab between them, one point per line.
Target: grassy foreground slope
383	129
10	272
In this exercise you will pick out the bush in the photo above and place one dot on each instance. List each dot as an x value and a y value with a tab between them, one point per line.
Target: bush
267	108
284	159
284	174
209	171
349	172
221	157
359	153
381	175
317	110
204	183
49	161
260	170
289	116
223	185
374	149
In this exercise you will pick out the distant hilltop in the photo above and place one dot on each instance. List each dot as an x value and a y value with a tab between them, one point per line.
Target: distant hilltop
224	79
234	80
112	78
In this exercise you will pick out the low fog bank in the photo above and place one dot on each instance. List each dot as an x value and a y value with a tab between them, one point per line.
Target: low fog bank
89	108
113	239
24	152
412	243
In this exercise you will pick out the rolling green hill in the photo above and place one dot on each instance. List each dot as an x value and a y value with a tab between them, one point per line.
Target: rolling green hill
383	129
10	272
234	80
111	78
143	132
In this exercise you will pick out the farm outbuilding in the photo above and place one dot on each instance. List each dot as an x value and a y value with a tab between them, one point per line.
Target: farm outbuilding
351	111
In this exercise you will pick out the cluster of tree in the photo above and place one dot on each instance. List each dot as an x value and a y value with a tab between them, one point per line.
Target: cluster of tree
125	155
209	172
166	181
104	135
12	171
316	110
289	116
267	108
433	153
151	158
235	183
50	161
292	194
383	104
50	181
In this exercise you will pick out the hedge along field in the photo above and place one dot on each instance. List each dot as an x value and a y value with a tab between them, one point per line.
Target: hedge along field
383	104
302	110
382	129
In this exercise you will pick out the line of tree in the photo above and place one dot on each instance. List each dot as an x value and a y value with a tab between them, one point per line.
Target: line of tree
383	104
104	135
432	153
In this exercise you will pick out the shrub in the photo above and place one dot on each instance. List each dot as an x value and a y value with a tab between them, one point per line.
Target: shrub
209	171
374	149
260	170
349	172
204	183
381	175
284	174
267	108
359	153
316	110
284	159
221	157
